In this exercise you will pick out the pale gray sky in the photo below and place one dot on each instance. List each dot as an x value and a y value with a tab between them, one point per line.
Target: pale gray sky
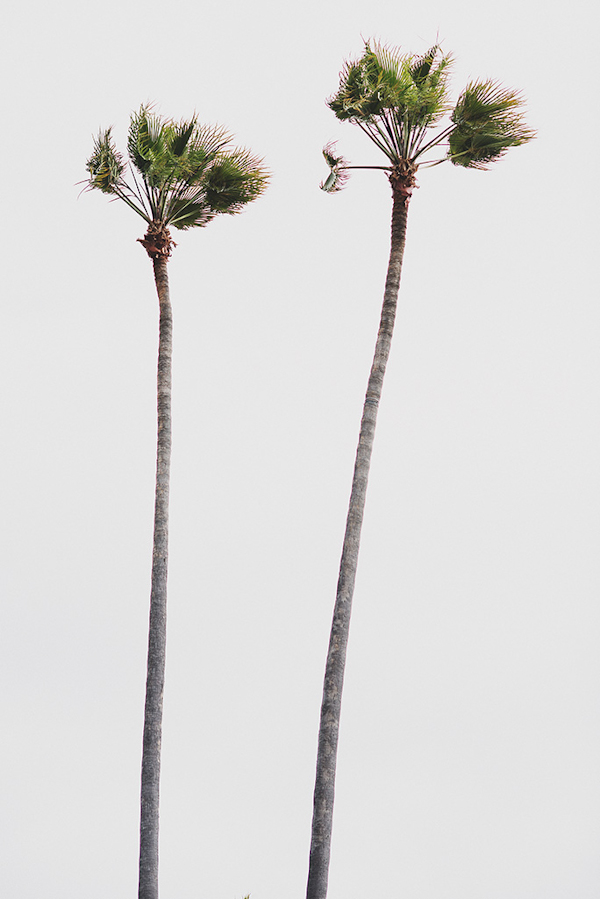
470	737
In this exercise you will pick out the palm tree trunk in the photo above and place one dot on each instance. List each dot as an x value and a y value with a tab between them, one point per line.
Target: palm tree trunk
157	634
336	658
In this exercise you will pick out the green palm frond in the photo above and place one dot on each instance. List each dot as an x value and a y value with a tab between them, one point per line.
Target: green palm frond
179	136
488	120
233	180
145	142
106	168
209	139
338	174
420	66
429	74
105	165
351	102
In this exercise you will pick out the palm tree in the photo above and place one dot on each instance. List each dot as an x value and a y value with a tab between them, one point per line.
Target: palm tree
186	175
396	99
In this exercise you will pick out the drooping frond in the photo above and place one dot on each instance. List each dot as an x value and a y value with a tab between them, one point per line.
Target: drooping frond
338	174
488	120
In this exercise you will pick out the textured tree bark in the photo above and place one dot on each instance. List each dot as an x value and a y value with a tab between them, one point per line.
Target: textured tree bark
157	633
322	822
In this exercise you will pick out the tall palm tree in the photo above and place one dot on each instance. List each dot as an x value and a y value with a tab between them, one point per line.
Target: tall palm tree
397	100
186	175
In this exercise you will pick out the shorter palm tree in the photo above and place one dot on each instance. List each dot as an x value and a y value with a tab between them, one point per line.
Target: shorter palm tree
186	175
396	99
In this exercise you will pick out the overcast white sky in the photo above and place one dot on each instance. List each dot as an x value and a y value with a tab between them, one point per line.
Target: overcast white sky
470	745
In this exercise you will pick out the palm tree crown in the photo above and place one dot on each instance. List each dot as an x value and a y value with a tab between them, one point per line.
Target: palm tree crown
397	98
187	174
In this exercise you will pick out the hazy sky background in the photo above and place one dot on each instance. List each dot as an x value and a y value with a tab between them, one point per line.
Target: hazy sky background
470	744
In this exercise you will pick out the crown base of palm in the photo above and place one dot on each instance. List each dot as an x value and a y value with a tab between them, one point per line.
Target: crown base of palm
403	179
157	241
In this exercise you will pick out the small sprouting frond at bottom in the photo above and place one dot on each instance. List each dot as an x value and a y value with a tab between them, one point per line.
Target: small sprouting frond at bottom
338	174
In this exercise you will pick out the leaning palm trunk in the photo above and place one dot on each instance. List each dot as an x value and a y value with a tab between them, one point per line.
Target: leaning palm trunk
395	99
157	636
336	658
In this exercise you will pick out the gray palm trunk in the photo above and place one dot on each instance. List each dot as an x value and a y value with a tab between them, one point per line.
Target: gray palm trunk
157	634
322	822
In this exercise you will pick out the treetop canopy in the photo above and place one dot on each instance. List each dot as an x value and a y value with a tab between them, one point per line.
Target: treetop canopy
187	173
397	98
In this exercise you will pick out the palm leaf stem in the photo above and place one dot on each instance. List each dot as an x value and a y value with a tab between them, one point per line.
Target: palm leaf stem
155	193
406	135
430	165
376	141
388	137
450	156
398	128
378	168
189	201
390	128
435	140
376	133
167	189
148	192
150	200
137	191
160	197
417	138
163	196
455	155
123	196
